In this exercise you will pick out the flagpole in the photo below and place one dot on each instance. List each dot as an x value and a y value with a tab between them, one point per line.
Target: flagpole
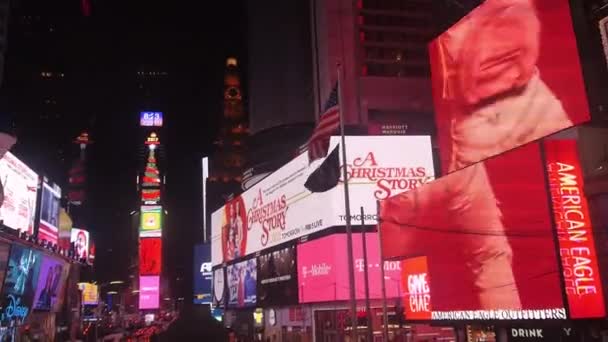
349	232
368	310
382	279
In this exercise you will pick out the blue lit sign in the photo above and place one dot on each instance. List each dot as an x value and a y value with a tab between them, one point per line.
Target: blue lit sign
202	274
151	119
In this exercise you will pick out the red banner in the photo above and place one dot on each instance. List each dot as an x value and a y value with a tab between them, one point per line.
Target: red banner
574	231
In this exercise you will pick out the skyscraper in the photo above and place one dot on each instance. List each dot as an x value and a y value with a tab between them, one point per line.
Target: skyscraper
226	165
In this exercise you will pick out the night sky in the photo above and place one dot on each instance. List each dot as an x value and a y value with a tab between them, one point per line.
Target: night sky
100	56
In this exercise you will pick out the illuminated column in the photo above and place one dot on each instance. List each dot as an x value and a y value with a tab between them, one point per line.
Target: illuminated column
150	230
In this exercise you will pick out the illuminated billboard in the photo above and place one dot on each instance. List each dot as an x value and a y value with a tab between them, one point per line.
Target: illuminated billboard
489	226
149	292
578	256
51	280
151	119
505	75
49	213
280	208
202	274
20	185
80	240
90	293
20	283
150	221
322	265
277	277
150	259
242	283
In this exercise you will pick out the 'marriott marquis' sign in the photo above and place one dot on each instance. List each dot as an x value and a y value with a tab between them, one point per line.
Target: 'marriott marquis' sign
279	208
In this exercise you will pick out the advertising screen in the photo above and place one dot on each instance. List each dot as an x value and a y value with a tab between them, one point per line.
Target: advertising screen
489	226
574	230
80	240
242	283
219	287
20	283
65	230
202	274
150	258
323	270
151	221
280	208
51	279
20	185
277	277
151	119
149	292
507	74
90	293
49	213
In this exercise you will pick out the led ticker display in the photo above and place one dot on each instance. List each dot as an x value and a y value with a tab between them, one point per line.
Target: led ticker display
151	119
149	292
150	221
574	231
150	260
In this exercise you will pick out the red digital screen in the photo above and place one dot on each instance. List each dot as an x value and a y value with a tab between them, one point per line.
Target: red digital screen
574	231
417	299
150	256
507	74
487	236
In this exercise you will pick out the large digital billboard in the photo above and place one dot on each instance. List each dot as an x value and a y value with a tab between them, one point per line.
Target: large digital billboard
242	283
49	213
51	279
150	256
20	185
20	283
149	292
80	240
489	226
202	274
151	119
280	208
150	221
578	256
90	293
219	287
323	270
506	74
277	277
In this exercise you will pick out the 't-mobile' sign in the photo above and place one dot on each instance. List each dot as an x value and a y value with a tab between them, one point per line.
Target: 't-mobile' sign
574	231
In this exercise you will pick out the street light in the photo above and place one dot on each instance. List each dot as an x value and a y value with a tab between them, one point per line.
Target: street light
116	282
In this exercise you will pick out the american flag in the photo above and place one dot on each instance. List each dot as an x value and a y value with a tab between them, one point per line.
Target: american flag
318	144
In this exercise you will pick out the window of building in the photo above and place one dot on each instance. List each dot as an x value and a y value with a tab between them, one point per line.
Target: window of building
394	35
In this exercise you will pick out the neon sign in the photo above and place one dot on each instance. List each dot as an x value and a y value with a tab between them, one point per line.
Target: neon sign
14	310
151	119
